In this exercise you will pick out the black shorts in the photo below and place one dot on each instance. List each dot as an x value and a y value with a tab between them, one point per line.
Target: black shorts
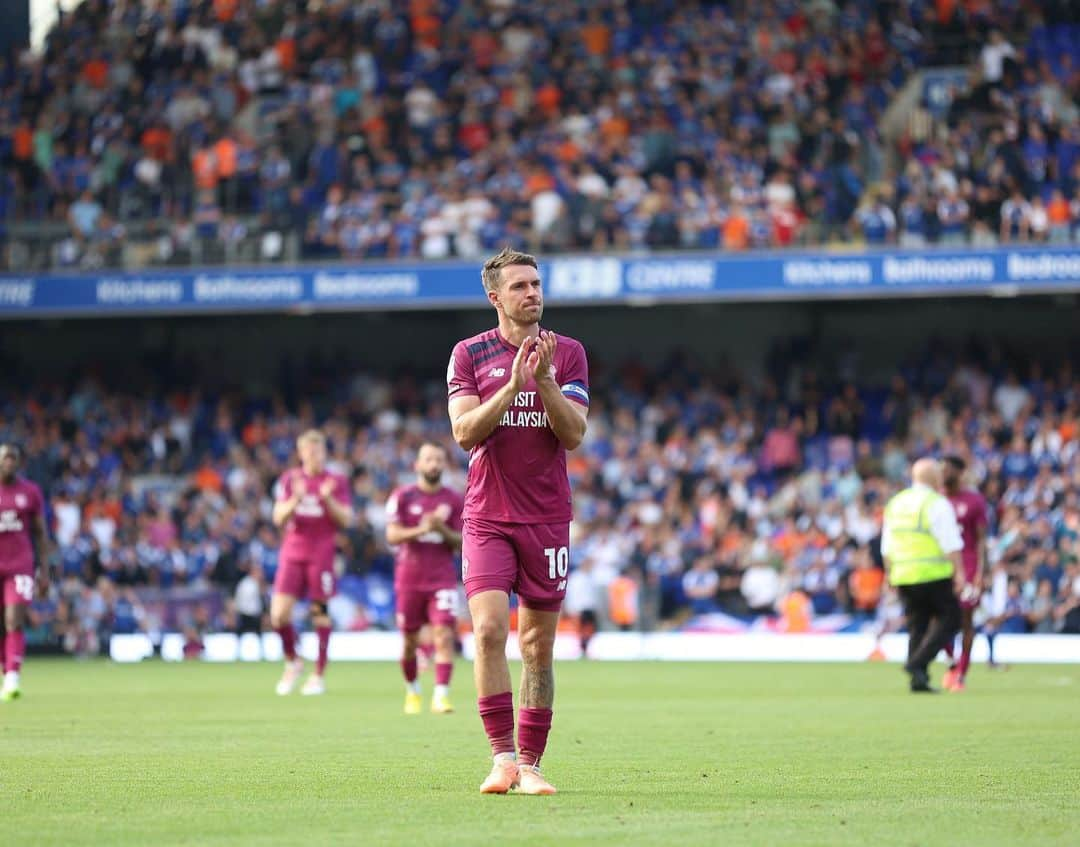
248	623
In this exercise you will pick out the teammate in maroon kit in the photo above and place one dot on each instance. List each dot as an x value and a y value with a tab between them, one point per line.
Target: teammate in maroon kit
970	510
22	515
518	400
424	521
312	505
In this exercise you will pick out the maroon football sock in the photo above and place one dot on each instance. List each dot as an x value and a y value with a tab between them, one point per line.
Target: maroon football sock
408	669
288	640
497	713
965	661
14	650
443	670
533	728
324	648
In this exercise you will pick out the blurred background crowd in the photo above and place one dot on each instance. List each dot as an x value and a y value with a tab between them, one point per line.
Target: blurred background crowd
230	130
704	499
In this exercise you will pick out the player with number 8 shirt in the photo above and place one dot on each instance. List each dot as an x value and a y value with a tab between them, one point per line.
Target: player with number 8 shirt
518	400
424	522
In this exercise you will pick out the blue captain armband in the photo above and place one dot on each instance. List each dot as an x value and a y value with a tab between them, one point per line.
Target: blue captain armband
576	391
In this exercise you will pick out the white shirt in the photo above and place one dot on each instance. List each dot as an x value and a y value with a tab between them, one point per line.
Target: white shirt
760	586
581	593
1009	400
249	597
993	59
68	520
943	526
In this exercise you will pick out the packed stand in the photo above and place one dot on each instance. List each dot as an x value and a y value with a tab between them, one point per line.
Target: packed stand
993	154
701	500
208	132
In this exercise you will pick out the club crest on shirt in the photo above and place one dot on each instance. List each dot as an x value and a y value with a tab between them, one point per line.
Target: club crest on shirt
21	502
416	509
310	507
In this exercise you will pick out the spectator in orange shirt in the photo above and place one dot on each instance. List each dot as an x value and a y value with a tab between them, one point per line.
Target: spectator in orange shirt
736	231
204	169
225	10
207	478
596	36
1060	218
157	141
865	583
256	432
548	98
623	596
225	158
96	72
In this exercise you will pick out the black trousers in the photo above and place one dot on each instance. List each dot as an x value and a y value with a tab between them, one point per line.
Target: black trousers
248	623
933	619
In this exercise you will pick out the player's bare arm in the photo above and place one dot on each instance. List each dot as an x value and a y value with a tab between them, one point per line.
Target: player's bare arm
283	509
42	553
959	578
473	421
567	418
340	513
980	546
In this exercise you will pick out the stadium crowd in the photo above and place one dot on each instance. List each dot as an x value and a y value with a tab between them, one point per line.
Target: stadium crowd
175	132
702	498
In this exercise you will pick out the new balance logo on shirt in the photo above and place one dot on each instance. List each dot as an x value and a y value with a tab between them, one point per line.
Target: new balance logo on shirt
497	372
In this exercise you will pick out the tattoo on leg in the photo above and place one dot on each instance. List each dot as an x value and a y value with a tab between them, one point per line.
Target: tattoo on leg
537	686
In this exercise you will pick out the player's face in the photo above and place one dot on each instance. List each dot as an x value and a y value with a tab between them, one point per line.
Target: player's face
9	462
950	474
520	296
312	455
430	464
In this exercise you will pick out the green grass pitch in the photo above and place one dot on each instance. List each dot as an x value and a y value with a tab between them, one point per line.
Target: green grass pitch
664	754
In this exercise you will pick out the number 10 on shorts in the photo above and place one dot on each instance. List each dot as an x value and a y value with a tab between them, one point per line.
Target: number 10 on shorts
558	562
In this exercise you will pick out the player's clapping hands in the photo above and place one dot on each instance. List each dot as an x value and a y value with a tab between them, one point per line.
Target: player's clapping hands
542	356
520	369
326	490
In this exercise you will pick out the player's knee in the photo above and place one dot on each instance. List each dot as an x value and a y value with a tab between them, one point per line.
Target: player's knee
13	619
490	634
444	638
411	641
279	618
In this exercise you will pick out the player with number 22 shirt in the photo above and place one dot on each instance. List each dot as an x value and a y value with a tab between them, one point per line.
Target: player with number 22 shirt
518	400
424	521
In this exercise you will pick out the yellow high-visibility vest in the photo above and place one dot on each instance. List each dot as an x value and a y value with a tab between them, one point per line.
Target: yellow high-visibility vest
914	554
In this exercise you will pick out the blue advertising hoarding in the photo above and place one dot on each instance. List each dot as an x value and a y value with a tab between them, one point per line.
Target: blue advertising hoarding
677	277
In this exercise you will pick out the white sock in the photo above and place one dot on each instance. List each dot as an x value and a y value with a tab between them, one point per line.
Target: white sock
511	756
413	687
11	678
442	691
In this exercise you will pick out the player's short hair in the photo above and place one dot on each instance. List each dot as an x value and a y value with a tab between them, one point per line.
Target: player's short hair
430	443
311	435
13	447
492	272
956	461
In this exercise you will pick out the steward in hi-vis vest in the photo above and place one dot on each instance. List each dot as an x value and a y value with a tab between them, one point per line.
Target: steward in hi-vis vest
921	544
